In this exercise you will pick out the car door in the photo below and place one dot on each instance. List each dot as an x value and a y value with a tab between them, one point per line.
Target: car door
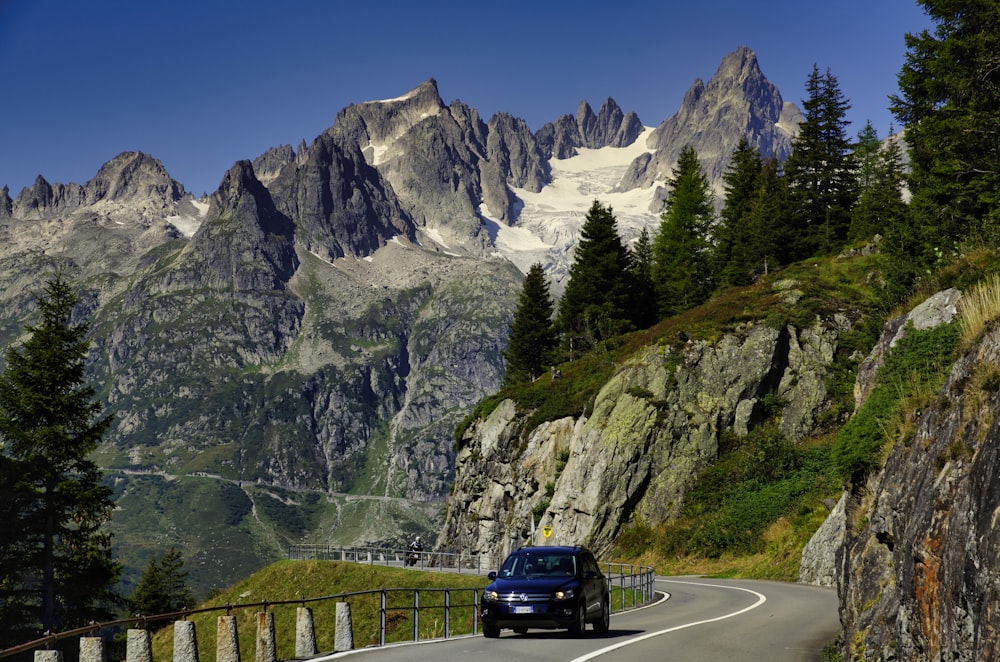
593	584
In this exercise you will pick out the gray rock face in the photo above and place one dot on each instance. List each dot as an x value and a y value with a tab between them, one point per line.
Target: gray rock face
918	573
609	128
938	309
738	101
819	556
342	206
913	549
652	429
6	204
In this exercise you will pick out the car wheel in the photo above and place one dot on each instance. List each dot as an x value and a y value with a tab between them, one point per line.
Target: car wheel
605	623
490	631
579	627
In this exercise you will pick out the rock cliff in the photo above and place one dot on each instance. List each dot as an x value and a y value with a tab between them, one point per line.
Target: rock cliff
636	453
913	546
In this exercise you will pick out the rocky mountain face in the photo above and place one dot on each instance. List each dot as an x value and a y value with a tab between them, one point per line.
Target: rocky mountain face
738	101
653	427
290	355
913	549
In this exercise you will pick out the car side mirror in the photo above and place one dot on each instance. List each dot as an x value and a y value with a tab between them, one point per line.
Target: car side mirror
492	575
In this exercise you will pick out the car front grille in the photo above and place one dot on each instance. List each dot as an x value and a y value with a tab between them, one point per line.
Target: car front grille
517	596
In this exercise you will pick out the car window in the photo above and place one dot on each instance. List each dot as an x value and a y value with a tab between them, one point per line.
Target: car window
538	564
590	564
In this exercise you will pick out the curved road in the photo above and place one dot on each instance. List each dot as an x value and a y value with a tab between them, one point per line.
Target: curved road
703	620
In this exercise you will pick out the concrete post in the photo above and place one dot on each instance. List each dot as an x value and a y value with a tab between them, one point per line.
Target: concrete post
48	656
266	645
185	642
91	649
305	633
344	634
227	641
138	646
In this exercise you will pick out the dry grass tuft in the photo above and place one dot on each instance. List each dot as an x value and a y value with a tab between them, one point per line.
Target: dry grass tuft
979	307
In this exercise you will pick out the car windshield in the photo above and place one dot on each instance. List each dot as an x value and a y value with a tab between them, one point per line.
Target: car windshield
535	564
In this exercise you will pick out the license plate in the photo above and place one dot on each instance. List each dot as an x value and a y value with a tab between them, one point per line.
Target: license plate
524	610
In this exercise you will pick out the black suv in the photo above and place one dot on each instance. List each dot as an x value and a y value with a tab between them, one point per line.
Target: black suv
546	587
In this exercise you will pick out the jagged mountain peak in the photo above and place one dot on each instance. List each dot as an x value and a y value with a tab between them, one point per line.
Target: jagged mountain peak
130	175
737	101
373	125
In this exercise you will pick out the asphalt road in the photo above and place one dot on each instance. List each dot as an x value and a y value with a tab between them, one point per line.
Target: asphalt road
703	620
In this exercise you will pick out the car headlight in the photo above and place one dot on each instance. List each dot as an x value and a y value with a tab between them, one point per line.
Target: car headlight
493	596
565	594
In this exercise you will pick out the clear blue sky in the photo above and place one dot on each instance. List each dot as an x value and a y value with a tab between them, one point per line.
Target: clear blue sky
202	84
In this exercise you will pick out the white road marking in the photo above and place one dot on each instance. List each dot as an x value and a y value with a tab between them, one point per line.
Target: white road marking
761	599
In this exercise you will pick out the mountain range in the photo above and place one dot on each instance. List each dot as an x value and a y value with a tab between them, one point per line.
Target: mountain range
287	358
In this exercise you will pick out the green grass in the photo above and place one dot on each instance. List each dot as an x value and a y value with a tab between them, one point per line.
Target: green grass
295	580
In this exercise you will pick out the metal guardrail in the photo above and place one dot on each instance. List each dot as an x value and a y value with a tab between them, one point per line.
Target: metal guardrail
459	562
631	586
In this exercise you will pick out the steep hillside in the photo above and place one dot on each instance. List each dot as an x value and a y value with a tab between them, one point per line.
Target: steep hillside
620	438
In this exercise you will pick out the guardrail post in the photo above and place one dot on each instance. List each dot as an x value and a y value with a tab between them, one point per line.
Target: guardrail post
185	642
266	645
416	615
138	646
381	618
475	611
343	639
91	649
447	613
48	656
227	640
305	633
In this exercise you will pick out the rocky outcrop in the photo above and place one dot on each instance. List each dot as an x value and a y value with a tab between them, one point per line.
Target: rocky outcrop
914	546
918	573
342	205
652	428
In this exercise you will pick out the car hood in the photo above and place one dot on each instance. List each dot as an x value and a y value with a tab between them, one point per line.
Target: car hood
507	584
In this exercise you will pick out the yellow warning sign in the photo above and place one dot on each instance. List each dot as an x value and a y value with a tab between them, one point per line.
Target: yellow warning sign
547	531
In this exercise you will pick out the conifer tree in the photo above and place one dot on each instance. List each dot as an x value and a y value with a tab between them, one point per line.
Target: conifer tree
49	425
162	589
880	207
731	255
820	171
767	241
533	338
681	259
595	305
949	104
644	308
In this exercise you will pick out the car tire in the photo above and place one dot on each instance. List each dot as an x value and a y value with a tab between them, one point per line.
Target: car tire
579	626
491	631
604	624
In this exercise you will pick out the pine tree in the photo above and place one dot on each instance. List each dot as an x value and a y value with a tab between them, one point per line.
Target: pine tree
48	426
731	257
533	338
820	171
949	104
595	304
681	259
767	241
644	309
881	180
162	589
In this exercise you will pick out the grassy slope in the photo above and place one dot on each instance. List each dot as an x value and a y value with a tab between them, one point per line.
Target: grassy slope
753	511
294	580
